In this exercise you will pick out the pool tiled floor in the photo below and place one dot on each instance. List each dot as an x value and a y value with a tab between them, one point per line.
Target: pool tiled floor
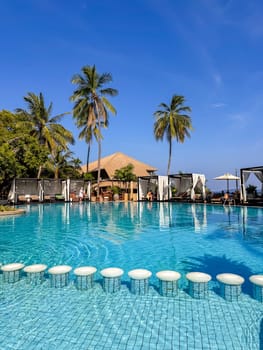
41	317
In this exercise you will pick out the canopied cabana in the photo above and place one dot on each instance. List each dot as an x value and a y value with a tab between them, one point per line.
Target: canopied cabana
186	186
53	188
147	184
158	185
245	175
40	190
163	187
26	190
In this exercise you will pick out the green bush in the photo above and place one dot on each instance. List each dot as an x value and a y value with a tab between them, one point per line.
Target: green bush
6	208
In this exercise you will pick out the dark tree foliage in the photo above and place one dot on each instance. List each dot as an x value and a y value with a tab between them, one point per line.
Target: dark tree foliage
21	153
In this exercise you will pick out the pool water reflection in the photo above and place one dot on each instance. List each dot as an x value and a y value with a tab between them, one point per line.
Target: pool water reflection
153	236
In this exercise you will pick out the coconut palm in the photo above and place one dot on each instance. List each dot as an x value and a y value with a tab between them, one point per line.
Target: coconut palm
92	106
87	133
59	160
172	123
45	128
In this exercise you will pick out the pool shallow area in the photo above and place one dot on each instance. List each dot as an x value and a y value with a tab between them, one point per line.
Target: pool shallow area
154	236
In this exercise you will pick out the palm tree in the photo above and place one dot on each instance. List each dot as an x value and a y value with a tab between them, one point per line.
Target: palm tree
91	106
60	159
45	128
87	133
172	123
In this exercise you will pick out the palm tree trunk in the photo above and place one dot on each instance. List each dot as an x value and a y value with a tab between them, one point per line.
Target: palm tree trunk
99	148
99	157
39	171
88	155
170	156
56	173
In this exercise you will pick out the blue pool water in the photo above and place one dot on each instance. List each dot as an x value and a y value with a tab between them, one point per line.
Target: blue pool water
155	236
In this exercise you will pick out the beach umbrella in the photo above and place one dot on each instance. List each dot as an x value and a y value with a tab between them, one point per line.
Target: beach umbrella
227	177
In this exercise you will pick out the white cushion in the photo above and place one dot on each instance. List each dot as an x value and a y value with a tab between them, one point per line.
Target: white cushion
112	272
168	275
230	278
199	277
60	269
257	279
85	270
35	268
139	274
12	267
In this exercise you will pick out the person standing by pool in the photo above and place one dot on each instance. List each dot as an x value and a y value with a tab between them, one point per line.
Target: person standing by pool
81	194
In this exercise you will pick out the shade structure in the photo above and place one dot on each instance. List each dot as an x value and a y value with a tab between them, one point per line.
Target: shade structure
227	177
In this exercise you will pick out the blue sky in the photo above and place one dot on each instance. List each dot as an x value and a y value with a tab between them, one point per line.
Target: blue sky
209	51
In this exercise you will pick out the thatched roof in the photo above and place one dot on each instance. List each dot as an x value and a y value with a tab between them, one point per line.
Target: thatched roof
117	161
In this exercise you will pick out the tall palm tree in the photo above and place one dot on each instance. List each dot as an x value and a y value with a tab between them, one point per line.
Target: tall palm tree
92	105
172	123
87	133
45	128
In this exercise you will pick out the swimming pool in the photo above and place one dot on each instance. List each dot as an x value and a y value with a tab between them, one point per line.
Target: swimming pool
154	236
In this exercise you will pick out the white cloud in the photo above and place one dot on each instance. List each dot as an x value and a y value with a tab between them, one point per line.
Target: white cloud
218	105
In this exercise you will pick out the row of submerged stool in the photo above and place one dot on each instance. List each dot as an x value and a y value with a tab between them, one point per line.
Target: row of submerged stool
230	284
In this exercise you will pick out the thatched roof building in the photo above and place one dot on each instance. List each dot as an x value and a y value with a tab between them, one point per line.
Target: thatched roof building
117	161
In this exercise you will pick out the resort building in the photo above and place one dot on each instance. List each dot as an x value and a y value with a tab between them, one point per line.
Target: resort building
108	167
117	161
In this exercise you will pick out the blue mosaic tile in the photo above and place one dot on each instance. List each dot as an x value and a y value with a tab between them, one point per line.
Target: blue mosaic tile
229	292
139	287
11	276
59	280
168	288
84	282
258	292
198	290
111	285
35	278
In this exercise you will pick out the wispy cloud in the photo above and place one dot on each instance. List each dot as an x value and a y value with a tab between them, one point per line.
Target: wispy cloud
218	105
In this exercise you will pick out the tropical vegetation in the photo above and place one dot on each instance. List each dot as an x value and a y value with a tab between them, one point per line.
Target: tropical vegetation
91	108
31	143
34	143
125	173
51	135
4	208
172	123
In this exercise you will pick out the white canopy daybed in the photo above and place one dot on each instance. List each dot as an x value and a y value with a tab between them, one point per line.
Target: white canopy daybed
244	176
187	184
161	186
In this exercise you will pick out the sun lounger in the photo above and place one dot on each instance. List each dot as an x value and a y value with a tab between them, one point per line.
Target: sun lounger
184	196
216	200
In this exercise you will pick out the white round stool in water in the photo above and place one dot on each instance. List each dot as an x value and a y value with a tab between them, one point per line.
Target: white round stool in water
257	281
12	272
230	285
198	284
139	281
59	275
168	282
111	279
85	277
35	273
